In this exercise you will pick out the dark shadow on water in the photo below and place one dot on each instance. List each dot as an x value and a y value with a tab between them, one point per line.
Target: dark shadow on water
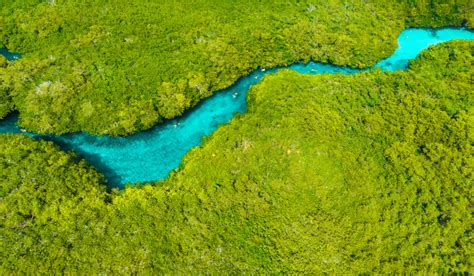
241	85
9	55
9	125
112	179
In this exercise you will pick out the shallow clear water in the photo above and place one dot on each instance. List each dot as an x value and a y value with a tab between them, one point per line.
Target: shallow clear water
151	155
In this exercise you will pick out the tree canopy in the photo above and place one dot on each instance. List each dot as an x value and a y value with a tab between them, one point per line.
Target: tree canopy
117	67
365	173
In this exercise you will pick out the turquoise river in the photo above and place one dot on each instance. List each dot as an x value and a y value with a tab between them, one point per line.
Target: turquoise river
151	155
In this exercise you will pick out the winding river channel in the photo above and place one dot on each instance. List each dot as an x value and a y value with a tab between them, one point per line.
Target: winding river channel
151	155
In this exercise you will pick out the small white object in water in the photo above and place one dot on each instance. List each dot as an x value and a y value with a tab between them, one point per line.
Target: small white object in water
23	130
263	69
235	95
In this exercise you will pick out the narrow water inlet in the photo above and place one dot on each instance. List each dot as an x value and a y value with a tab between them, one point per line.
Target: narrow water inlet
9	55
151	155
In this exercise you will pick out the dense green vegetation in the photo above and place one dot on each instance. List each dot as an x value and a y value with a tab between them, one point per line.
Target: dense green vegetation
331	173
115	67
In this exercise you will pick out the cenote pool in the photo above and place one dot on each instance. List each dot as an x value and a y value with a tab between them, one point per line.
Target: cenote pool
151	155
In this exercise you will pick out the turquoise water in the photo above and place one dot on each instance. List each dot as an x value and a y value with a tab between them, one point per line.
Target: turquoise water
8	55
151	155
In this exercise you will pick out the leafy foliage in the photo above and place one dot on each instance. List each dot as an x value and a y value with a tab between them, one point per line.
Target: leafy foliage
6	103
116	67
330	173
